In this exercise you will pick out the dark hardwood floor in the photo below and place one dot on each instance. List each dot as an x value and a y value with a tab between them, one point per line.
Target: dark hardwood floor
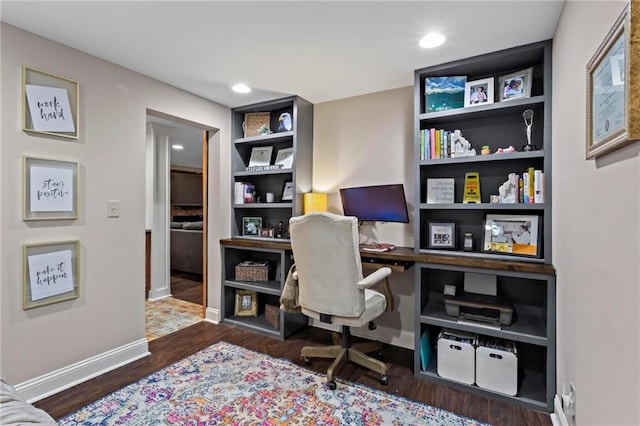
173	347
186	286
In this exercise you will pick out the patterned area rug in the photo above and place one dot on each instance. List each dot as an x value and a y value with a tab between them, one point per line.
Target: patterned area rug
226	384
167	315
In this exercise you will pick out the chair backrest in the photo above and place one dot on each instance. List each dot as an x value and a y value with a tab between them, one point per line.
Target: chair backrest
327	257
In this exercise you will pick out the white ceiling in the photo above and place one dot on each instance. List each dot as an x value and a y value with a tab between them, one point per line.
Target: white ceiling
320	50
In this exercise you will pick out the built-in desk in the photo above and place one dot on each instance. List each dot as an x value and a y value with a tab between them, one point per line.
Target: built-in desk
402	258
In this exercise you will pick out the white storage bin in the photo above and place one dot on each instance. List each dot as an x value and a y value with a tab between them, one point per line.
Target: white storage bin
456	356
496	368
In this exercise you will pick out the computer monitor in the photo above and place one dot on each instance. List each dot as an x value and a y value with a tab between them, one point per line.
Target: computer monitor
383	203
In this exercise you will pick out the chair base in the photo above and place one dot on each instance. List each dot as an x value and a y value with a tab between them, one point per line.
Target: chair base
355	353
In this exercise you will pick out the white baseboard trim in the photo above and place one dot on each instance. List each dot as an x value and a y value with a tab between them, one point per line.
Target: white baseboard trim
159	294
381	334
212	315
71	375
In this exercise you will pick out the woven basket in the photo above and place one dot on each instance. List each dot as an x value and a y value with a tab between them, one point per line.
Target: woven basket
253	123
252	273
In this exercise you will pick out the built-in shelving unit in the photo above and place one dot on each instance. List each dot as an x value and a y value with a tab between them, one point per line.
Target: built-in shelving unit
531	289
240	247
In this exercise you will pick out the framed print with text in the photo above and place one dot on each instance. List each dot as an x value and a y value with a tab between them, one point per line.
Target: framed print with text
50	273
442	235
50	104
613	113
49	189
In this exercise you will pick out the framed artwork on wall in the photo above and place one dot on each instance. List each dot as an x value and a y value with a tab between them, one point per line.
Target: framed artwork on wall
613	82
49	189
50	104
50	273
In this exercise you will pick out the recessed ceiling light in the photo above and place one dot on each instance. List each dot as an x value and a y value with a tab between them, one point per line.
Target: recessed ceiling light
432	40
241	88
177	147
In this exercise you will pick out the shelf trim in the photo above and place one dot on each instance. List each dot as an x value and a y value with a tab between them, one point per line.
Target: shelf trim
263	206
271	137
484	158
259	288
467	112
482	206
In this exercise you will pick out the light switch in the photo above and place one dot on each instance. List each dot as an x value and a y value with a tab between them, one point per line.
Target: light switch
113	208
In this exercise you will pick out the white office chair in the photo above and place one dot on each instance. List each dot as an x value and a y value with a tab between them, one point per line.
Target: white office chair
333	290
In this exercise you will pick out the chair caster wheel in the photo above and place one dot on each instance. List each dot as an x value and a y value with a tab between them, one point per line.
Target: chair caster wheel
307	360
384	380
332	385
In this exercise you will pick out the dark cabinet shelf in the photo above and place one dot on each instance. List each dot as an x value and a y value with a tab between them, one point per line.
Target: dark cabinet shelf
532	293
274	250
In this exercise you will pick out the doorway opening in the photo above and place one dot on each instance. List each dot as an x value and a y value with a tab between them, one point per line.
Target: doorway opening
177	167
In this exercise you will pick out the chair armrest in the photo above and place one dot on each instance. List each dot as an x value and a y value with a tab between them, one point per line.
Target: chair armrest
374	278
381	274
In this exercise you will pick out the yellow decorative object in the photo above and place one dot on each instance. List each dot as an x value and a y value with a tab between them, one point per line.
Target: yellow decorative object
315	202
471	188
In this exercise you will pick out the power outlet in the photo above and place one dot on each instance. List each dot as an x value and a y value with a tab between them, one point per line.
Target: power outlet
113	208
569	401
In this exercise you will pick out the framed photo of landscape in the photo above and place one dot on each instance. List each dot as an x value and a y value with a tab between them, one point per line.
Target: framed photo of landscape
444	93
50	189
50	273
50	104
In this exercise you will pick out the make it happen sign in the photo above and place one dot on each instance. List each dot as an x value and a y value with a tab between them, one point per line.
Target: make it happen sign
50	109
50	274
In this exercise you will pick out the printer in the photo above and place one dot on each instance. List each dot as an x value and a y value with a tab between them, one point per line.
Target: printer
479	302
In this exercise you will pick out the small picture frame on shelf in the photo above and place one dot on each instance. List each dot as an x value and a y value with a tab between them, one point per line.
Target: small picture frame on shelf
442	235
50	273
266	232
516	85
287	191
50	104
478	92
260	156
512	234
251	226
49	189
246	303
284	158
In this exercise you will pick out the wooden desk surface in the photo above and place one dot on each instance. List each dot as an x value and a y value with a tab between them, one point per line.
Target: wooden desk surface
406	256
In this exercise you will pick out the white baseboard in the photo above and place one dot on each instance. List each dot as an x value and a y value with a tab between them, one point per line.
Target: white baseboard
71	375
212	315
381	334
159	294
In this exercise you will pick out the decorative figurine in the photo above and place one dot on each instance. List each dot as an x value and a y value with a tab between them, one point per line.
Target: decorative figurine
285	122
509	190
280	230
461	146
527	115
485	150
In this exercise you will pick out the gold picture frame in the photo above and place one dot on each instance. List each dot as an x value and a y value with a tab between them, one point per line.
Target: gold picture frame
50	273
246	303
49	189
613	75
50	104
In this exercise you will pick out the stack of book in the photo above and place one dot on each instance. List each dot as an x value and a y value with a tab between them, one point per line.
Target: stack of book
244	193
